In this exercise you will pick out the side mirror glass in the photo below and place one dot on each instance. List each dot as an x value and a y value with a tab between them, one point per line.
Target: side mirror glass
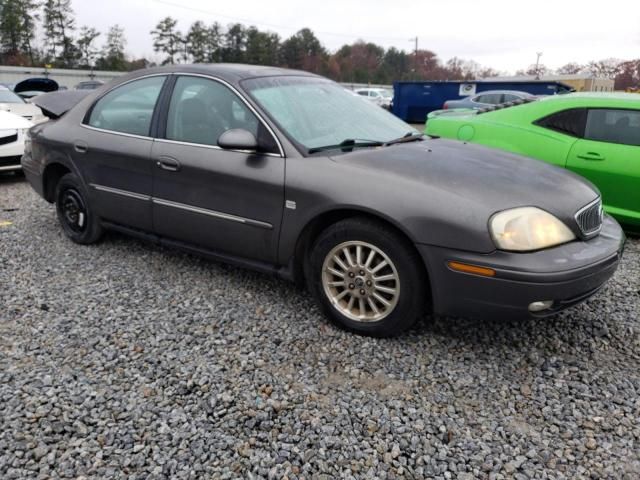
238	139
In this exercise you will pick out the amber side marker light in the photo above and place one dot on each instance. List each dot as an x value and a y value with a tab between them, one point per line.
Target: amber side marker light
474	269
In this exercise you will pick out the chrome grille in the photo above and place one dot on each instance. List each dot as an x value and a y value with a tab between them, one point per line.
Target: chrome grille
589	218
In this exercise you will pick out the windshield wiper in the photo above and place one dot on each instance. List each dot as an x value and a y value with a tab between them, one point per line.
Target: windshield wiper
348	144
409	137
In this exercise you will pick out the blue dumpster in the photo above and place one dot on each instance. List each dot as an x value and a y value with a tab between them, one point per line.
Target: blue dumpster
413	101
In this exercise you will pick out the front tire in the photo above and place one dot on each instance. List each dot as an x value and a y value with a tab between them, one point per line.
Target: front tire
74	212
367	278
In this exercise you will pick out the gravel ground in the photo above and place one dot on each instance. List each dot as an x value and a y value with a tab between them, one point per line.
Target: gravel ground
126	360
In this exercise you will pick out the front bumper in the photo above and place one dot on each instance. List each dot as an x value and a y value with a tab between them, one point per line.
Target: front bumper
567	275
10	154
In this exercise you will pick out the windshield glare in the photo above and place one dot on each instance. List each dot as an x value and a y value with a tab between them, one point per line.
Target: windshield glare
7	96
316	112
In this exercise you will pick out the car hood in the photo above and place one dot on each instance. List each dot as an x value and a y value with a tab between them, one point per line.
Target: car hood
480	180
22	109
12	121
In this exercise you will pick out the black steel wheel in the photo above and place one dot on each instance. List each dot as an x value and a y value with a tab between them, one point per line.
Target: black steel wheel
74	212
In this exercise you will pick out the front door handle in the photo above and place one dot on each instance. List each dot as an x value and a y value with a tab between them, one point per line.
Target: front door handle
80	146
593	156
168	163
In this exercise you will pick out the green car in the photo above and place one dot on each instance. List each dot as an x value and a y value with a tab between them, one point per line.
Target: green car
596	135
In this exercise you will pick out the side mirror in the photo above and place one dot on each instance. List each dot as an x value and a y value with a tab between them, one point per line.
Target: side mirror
238	139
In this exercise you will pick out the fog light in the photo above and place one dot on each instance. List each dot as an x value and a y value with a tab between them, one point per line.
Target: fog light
540	306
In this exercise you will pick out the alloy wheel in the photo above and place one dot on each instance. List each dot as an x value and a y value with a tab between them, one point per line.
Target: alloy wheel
361	281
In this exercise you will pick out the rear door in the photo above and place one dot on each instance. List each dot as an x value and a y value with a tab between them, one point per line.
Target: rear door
224	200
609	156
114	152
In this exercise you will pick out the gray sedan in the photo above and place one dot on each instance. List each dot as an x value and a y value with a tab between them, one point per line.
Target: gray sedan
286	172
489	98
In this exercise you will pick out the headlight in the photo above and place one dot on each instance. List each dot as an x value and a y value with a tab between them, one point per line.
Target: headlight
527	228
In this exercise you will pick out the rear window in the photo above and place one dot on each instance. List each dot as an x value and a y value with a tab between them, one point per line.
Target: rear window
613	126
570	122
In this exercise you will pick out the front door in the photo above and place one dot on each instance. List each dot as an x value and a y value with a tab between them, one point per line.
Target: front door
223	200
609	156
114	152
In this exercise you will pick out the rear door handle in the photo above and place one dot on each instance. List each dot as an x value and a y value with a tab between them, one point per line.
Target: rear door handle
168	163
80	147
593	156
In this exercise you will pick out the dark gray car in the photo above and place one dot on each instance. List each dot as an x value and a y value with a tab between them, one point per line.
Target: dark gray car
286	172
489	98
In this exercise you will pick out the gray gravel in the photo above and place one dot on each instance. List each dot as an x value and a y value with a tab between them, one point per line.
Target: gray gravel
126	360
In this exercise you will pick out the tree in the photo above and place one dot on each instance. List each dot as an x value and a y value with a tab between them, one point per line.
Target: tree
87	50
606	68
396	65
235	44
167	40
303	50
628	76
571	68
215	38
113	55
17	30
198	42
262	48
360	62
59	24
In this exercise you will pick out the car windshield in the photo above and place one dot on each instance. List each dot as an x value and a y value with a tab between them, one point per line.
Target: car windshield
386	93
317	113
7	96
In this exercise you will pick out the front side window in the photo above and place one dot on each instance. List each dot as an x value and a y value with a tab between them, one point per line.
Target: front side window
613	126
202	109
128	108
316	112
364	93
570	122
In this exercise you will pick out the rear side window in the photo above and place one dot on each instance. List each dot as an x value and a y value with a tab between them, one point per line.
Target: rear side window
509	97
570	122
490	98
129	108
613	126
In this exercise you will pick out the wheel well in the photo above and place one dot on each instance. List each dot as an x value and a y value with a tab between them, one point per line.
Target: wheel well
323	221
52	175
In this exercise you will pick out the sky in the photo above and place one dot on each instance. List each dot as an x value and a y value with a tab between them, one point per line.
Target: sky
505	35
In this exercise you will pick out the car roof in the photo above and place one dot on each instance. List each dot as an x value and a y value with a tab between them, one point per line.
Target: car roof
231	72
514	92
587	99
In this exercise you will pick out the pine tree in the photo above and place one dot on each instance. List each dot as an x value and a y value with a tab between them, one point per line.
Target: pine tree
17	28
113	56
87	50
59	24
167	39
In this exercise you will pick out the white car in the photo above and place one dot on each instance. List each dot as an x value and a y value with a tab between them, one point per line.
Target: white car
13	129
380	96
11	102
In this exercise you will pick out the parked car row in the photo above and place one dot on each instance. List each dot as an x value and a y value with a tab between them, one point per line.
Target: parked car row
378	220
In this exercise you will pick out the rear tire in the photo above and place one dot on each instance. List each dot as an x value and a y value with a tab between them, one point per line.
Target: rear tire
78	221
367	278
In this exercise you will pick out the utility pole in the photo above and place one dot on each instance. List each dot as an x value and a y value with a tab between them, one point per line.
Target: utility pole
415	60
539	54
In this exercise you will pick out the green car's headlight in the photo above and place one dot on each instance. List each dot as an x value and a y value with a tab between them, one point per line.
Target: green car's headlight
525	229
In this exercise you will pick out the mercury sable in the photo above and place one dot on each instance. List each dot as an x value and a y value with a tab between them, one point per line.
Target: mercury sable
286	172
